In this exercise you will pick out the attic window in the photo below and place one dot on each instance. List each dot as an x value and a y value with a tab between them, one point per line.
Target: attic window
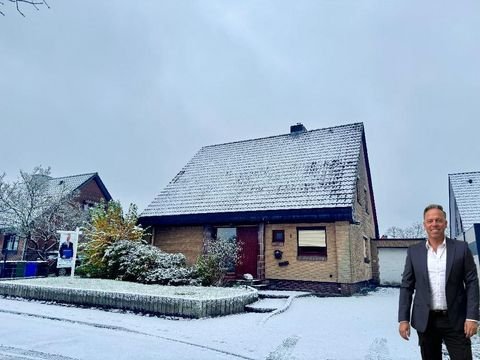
365	191
470	181
61	182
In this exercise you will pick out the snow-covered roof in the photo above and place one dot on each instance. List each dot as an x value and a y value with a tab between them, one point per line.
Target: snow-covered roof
466	190
304	170
67	184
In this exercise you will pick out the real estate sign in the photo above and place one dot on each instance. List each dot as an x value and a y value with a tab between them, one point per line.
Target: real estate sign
67	249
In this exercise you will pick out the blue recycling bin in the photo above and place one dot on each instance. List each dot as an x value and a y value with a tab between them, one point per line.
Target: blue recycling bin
31	269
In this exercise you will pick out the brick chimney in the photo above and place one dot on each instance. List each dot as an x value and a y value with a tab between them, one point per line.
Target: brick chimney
297	129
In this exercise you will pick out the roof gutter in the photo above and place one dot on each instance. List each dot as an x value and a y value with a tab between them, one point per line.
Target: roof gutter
247	217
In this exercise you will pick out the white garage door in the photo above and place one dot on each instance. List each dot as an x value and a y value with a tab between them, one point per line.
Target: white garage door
391	262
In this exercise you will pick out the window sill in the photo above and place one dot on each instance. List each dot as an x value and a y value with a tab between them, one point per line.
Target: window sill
311	258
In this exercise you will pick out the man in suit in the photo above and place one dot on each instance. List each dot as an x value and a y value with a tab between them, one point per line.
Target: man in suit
66	249
442	274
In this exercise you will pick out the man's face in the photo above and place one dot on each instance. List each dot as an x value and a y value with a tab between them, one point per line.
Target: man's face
435	223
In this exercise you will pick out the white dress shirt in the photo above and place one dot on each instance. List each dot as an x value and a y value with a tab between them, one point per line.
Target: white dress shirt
437	267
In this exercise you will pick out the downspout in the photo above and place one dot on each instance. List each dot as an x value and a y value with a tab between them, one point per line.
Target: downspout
152	242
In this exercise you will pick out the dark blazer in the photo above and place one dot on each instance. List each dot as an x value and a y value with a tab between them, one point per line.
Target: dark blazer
461	286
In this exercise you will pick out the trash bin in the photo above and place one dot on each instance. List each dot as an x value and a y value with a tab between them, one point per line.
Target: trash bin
31	269
9	271
42	268
20	269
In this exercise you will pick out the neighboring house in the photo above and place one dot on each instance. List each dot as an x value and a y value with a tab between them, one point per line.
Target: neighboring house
301	205
388	259
464	207
90	190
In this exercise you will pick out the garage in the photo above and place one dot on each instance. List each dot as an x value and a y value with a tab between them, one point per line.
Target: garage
391	262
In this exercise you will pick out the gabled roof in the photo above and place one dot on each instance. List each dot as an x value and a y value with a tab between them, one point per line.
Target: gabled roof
68	184
306	170
466	191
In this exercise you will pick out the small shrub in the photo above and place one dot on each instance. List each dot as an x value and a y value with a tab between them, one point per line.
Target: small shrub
220	256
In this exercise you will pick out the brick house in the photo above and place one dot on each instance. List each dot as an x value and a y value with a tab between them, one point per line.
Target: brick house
90	190
301	205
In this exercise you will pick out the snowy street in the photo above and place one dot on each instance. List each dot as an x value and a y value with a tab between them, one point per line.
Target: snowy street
359	327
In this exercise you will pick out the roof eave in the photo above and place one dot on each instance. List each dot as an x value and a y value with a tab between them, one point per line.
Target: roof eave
249	217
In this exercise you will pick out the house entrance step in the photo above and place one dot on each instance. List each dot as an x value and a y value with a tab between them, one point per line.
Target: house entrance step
274	300
280	294
255	283
265	305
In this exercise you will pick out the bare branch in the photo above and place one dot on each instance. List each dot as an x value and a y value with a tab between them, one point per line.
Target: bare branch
34	3
35	212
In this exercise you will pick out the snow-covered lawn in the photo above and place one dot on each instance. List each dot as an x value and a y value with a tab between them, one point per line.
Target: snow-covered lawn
193	292
350	328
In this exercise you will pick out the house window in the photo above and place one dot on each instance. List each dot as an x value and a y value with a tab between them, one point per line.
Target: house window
278	236
365	192
88	204
10	243
365	249
358	189
312	242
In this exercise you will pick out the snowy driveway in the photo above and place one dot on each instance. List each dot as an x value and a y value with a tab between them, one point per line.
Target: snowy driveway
359	327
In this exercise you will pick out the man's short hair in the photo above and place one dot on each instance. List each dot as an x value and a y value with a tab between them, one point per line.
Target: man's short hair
434	206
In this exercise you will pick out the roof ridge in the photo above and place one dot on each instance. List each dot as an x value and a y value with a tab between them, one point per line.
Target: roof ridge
280	135
465	173
71	176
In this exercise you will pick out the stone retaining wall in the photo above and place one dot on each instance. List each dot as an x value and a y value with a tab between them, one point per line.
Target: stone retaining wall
160	305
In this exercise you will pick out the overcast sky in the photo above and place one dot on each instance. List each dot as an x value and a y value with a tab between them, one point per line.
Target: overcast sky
133	89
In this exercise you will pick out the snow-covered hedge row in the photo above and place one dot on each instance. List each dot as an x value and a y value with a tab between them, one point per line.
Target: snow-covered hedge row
183	304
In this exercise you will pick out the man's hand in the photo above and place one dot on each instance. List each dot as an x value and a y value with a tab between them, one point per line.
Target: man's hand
404	329
470	328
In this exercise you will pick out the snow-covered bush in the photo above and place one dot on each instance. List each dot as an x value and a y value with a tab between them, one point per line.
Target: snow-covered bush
220	256
140	262
108	225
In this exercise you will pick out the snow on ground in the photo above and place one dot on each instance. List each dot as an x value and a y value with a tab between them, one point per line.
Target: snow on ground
350	328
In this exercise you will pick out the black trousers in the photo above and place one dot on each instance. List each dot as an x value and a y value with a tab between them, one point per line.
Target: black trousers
439	329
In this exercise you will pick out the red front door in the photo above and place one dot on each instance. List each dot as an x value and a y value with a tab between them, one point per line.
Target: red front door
248	238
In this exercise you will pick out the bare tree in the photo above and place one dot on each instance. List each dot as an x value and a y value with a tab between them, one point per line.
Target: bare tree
18	4
395	232
414	231
35	210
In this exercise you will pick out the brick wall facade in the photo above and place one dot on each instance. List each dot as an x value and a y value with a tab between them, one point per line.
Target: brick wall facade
318	287
90	192
187	240
324	269
365	230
